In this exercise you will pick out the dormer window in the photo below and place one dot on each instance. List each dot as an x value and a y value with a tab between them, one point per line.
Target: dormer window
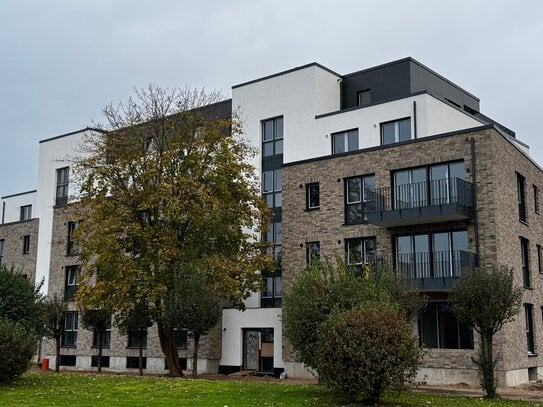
364	97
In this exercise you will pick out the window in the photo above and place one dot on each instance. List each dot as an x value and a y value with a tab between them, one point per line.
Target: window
26	244
433	255
359	198
137	337
273	292
312	196
521	198
67	360
106	336
272	137
63	180
275	236
104	361
271	188
361	252
70	286
133	362
530	343
182	363
26	213
539	259
536	199
69	338
525	256
396	131
181	336
313	252
439	328
345	141
433	185
72	247
1	251
364	97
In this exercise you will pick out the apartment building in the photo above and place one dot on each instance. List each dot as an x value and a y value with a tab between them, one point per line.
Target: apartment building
393	163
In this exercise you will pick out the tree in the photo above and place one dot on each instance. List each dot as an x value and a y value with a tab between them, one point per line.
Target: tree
486	298
21	322
326	287
364	351
98	321
135	322
55	320
195	307
168	189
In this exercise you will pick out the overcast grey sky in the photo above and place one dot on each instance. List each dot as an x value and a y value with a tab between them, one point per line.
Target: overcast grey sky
62	61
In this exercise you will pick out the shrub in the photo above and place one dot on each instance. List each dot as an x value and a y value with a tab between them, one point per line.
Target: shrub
363	351
16	349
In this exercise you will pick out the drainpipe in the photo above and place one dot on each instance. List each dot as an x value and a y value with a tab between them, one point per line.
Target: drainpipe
475	217
340	82
3	211
414	119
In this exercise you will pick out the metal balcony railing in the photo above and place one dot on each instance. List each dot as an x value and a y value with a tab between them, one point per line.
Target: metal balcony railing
421	194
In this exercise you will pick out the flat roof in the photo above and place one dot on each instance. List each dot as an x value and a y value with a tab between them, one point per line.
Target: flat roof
19	193
71	133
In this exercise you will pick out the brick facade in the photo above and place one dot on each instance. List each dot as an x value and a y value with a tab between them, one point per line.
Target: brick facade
12	234
497	162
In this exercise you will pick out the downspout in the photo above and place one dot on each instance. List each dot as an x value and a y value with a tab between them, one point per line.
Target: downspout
474	192
3	211
340	83
414	119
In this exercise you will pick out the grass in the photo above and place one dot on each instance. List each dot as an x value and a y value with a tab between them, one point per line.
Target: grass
71	389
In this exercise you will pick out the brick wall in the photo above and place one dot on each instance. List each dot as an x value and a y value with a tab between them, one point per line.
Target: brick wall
12	234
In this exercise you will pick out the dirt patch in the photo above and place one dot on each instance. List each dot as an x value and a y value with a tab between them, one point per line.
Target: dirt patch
530	391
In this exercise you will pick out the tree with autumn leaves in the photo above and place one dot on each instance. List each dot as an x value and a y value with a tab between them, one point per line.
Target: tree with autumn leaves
166	191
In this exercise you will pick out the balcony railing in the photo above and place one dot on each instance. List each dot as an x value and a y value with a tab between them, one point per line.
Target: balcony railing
421	202
429	270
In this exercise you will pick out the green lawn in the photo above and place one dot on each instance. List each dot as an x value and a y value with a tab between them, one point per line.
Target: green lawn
70	389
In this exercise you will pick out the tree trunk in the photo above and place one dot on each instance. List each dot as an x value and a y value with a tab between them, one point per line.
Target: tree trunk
195	355
167	344
100	346
57	352
487	365
140	354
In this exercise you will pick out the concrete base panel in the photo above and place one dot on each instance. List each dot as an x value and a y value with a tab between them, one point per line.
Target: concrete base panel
299	370
448	376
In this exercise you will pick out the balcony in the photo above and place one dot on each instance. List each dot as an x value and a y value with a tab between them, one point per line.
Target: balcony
421	202
427	271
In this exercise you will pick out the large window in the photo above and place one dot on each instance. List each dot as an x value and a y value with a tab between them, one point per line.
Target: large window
525	259
536	199
181	338
313	252
273	292
272	137
69	338
433	255
539	259
433	185
521	198
271	188
274	237
529	315
312	193
26	244
345	141
26	213
1	251
396	131
137	337
63	180
106	336
359	198
361	252
439	328
70	286
72	247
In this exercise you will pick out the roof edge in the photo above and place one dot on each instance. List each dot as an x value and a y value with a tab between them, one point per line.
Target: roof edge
71	133
18	194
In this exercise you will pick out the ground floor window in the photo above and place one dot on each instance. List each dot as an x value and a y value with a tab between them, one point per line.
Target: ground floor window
439	328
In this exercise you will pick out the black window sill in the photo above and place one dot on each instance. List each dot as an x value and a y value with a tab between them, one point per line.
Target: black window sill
69	346
136	347
531	355
312	209
528	288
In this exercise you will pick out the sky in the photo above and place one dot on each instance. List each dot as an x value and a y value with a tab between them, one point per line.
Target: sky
62	61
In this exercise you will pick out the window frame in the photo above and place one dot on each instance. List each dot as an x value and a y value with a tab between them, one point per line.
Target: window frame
397	135
360	93
521	198
62	186
539	259
133	340
364	260
277	136
529	328
181	333
308	201
273	196
313	251
346	135
72	248
106	342
536	199
272	295
2	247
439	331
525	262
25	213
71	276
26	244
364	201
71	322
